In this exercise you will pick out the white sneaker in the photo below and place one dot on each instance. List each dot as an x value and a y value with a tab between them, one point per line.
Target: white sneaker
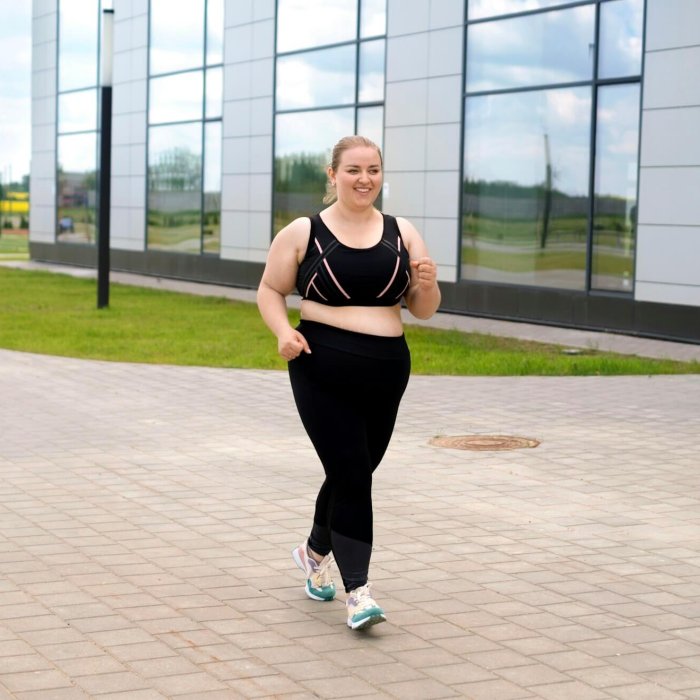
319	585
363	610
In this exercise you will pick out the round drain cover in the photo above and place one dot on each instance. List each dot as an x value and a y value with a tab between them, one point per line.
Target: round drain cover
483	442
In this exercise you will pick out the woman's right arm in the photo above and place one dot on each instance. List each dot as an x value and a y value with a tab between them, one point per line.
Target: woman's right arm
278	281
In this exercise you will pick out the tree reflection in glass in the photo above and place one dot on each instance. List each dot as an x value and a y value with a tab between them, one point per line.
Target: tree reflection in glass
211	229
302	152
615	218
525	203
175	188
77	188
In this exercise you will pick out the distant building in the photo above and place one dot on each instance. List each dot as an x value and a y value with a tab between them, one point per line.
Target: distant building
547	150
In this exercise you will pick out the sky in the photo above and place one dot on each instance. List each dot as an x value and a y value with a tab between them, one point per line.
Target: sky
15	88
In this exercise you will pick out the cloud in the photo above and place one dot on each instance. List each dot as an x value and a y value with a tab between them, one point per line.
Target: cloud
15	89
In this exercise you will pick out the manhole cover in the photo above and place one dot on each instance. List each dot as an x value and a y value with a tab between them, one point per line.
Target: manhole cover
483	442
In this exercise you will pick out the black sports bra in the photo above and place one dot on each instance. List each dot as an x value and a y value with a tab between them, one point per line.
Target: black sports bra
335	274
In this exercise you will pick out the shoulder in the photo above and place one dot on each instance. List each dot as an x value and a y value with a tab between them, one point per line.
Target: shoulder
411	237
408	230
295	234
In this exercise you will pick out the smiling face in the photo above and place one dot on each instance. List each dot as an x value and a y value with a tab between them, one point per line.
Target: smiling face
358	178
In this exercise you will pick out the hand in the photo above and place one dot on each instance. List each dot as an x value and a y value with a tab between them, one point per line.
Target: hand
423	273
291	344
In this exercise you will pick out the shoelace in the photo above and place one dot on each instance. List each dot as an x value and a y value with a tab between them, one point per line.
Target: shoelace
363	598
322	575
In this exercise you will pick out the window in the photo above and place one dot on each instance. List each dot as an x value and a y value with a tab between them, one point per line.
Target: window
329	83
550	143
184	133
77	126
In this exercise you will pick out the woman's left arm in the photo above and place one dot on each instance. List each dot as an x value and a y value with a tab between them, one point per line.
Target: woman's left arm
423	295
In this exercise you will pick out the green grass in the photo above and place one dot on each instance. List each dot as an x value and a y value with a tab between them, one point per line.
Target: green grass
56	314
13	246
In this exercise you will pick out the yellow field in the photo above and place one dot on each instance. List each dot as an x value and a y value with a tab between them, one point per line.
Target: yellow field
16	203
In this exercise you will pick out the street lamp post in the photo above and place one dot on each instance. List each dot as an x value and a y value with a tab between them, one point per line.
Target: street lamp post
105	160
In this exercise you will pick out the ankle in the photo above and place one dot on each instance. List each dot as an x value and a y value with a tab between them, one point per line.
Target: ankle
318	558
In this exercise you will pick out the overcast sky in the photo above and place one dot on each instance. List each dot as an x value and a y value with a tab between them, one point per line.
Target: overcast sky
15	88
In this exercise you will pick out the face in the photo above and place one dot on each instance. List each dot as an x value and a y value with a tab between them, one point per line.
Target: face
358	179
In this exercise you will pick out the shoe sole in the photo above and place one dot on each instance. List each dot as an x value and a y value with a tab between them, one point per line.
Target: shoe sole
300	564
367	622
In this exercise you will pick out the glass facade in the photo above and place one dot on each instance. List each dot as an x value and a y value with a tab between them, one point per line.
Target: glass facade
329	83
77	126
184	133
550	143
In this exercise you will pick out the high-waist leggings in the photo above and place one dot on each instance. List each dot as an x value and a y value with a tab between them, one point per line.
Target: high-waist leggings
348	392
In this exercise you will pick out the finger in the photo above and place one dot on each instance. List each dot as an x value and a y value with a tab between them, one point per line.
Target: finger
304	344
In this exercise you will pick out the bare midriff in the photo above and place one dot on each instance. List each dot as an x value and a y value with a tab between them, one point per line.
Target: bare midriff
373	320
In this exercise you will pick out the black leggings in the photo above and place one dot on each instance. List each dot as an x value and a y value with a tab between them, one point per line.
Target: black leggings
347	392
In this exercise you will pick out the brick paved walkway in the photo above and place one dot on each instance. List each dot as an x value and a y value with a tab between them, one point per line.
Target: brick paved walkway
147	513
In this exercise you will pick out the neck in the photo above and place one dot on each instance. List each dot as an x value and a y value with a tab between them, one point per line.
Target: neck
352	216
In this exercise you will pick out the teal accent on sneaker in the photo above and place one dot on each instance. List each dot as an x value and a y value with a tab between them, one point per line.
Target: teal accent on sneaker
319	585
363	610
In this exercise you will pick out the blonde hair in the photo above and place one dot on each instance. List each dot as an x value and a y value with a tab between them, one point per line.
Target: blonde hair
343	145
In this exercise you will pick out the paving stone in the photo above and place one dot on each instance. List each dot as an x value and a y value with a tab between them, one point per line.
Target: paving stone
149	557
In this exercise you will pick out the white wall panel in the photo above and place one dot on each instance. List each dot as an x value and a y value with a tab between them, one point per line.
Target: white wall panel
443	47
683	295
672	24
658	259
443	147
682	91
405	148
670	137
446	13
407	57
668	245
670	196
406	193
408	16
406	103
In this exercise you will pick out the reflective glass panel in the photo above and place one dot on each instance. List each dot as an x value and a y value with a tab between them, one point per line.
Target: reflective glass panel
525	193
215	31
372	18
541	49
615	218
78	24
478	9
303	143
176	98
215	86
316	78
77	111
371	71
620	38
211	230
77	188
303	24
177	35
175	187
370	123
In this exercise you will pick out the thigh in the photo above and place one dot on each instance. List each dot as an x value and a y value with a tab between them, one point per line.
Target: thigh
331	414
387	387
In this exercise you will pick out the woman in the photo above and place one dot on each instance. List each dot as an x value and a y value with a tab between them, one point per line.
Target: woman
348	359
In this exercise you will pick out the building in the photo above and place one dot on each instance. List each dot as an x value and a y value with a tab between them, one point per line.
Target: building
547	150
